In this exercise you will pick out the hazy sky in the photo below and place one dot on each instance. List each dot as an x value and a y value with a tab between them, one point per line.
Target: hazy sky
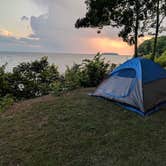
48	25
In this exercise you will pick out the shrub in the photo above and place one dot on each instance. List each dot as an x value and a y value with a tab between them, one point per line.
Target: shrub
88	74
57	88
4	84
161	60
5	102
33	79
39	78
70	81
73	77
93	71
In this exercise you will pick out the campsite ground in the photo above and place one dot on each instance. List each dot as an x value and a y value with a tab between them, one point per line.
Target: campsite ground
79	130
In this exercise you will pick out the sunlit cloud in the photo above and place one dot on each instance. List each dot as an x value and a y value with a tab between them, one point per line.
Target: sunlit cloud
53	31
105	44
4	32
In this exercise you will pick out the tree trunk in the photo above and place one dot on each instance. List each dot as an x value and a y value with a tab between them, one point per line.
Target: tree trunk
136	33
157	30
136	40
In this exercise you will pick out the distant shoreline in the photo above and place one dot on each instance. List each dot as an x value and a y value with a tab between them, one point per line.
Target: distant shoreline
110	53
60	53
61	60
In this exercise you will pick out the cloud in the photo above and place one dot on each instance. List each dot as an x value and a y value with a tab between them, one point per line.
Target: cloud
54	31
24	18
9	42
4	32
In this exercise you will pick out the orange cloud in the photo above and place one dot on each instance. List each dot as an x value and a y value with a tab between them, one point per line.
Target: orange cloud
111	45
4	32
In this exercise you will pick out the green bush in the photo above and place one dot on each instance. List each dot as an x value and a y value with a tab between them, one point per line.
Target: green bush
88	74
73	77
4	82
161	60
93	71
57	88
5	102
33	79
28	79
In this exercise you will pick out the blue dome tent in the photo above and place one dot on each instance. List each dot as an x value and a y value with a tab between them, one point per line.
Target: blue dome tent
138	85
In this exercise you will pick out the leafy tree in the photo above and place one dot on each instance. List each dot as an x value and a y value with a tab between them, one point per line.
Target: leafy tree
147	46
133	19
158	15
130	16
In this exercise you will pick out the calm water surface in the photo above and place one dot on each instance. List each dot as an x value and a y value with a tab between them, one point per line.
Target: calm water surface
59	59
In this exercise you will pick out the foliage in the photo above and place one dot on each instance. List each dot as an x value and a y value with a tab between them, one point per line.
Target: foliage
4	83
73	76
88	74
57	88
147	46
93	71
33	79
130	16
158	14
148	56
28	79
162	59
37	78
5	102
5	99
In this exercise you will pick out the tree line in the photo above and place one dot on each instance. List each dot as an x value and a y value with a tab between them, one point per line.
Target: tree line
134	19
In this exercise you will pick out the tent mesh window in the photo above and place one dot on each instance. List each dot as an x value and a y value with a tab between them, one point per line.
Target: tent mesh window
113	85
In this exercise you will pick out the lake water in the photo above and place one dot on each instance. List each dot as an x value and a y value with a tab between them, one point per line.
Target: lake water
59	59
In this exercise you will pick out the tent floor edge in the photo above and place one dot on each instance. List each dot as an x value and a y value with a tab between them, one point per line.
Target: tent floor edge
133	109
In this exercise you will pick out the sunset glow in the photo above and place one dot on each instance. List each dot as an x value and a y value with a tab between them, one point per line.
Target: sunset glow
111	45
34	28
104	44
5	32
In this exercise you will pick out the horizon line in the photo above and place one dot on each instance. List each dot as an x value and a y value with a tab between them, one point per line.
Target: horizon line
51	52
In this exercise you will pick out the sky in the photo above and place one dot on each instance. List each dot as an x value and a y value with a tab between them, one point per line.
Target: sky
48	26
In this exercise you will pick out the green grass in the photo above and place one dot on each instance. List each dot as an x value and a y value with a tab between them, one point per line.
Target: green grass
79	130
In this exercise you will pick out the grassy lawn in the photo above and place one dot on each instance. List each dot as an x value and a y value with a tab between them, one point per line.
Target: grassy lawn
79	130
